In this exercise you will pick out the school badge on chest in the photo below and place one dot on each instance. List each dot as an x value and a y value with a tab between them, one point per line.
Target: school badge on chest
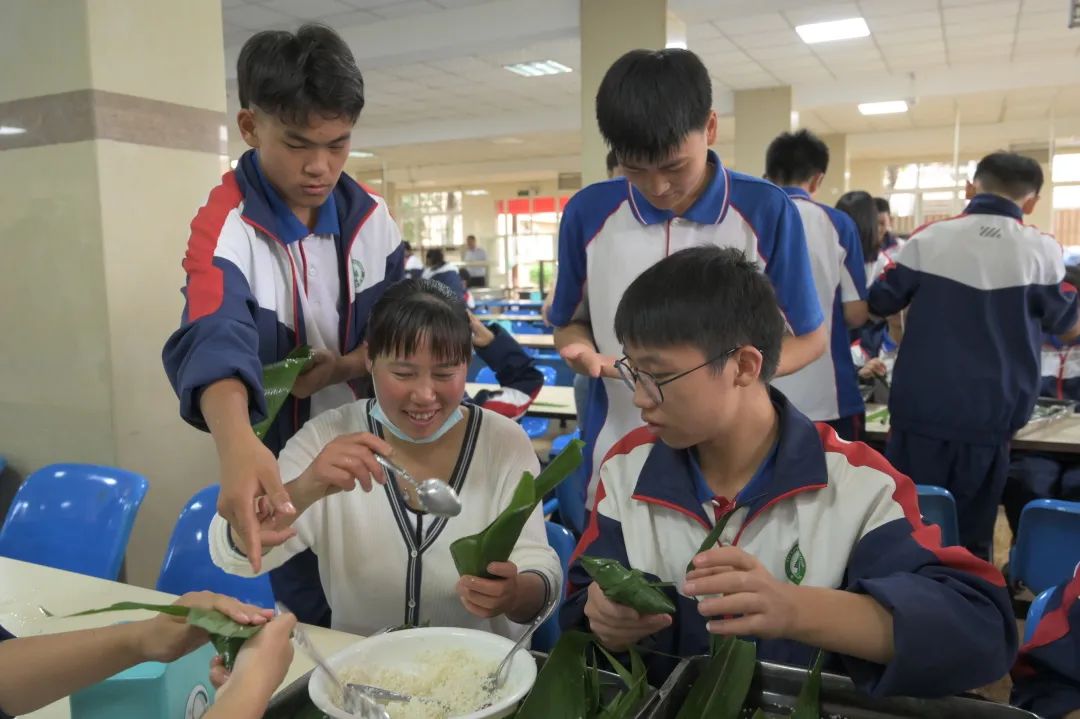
357	274
795	565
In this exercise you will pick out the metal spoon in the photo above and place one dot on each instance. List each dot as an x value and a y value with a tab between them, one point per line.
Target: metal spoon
435	495
386	695
494	681
353	699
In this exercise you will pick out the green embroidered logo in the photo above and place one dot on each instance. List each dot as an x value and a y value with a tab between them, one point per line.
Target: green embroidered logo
357	274
795	565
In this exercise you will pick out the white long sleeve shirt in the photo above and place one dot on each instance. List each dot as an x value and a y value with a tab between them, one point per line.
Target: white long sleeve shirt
374	571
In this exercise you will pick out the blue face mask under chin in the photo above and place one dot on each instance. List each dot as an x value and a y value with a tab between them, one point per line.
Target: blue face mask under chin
380	416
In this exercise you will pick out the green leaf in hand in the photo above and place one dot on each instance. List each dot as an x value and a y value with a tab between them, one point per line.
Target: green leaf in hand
560	688
626	586
278	380
713	538
226	635
473	554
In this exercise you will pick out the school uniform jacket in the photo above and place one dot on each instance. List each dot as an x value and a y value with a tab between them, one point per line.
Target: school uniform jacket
981	289
243	304
821	512
1046	678
519	380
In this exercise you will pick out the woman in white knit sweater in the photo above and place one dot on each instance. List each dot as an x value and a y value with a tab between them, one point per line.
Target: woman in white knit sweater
383	562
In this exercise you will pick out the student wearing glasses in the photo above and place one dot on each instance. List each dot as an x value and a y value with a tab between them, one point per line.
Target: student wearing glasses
823	546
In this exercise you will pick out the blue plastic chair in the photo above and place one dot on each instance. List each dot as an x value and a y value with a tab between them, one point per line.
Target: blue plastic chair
938	507
76	517
1047	544
527	328
187	566
561	442
535	427
563	542
1035	613
486	376
551	377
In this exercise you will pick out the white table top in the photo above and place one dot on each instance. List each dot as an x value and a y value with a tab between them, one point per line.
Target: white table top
510	317
1061	436
536	341
23	587
554	402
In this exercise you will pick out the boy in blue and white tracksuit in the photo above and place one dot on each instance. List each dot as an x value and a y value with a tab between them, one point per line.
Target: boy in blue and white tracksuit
676	194
287	251
980	290
824	546
827	389
1046	678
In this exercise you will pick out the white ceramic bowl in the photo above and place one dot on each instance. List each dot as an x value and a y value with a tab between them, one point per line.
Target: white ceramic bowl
401	649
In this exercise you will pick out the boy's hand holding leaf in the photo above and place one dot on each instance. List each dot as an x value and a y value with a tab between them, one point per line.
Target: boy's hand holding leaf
619	627
735	584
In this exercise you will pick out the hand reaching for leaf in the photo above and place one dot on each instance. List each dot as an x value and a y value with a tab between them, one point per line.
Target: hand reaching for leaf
166	638
617	626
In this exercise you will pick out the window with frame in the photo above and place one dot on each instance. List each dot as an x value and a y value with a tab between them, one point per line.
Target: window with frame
432	219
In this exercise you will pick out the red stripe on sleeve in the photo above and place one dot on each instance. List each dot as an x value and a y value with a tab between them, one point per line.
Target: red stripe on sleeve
205	283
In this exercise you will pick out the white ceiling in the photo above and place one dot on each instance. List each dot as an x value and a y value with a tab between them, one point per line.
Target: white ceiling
437	92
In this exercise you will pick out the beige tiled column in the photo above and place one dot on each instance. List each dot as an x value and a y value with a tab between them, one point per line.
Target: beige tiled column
835	183
113	113
609	29
760	115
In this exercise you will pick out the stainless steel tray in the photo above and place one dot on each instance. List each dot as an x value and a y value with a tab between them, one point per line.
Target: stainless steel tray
293	702
776	687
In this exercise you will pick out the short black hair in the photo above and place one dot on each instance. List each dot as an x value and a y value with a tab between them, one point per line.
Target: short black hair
1072	275
650	100
860	207
413	312
795	157
882	205
435	258
707	297
293	75
1009	174
611	161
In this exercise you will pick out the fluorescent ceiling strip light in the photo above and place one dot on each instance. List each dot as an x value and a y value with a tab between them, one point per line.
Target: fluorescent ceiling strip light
538	68
889	107
848	29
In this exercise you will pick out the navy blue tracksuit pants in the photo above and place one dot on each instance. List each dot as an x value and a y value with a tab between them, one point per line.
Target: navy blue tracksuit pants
974	473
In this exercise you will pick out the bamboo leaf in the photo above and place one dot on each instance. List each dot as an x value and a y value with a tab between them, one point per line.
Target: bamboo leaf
626	586
720	691
713	538
808	705
173	609
214	622
472	554
560	686
278	380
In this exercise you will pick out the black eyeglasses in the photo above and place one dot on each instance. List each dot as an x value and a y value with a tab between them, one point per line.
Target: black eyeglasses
632	376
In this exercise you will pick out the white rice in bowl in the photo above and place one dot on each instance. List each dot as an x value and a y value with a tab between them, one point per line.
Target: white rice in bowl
453	677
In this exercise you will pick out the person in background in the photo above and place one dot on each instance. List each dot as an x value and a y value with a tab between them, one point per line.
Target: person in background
438	269
823	545
654	109
288	251
467	298
1037	475
519	379
827	389
980	289
889	241
39	670
860	207
478	273
1046	678
414	266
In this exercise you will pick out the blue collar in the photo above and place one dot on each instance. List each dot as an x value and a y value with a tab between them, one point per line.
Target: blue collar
987	204
757	484
797	192
709	209
671	477
289	225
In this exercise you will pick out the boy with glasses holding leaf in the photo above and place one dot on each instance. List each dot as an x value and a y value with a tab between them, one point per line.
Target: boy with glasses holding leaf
821	544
